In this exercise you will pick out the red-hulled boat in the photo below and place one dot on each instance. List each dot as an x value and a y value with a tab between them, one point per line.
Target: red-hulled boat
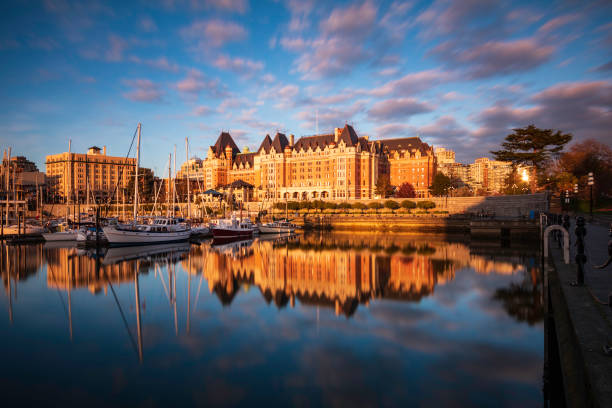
233	228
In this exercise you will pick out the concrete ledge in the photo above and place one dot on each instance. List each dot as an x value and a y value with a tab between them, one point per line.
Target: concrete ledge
582	329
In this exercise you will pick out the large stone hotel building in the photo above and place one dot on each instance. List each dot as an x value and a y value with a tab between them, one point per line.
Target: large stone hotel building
336	166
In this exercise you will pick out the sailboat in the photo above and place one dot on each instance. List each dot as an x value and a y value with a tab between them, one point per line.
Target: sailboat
158	230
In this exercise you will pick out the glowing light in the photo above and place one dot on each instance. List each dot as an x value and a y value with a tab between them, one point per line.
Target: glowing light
525	176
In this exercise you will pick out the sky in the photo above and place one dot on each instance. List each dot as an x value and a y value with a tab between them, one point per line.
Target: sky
458	74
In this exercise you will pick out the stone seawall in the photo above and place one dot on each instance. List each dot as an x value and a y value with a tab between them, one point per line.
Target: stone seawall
477	229
499	206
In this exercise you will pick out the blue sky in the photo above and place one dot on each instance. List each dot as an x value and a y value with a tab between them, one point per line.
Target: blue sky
458	74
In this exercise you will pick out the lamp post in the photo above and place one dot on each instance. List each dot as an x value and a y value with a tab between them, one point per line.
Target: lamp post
575	205
591	182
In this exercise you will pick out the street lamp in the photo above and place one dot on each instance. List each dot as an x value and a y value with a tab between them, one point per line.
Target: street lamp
575	204
591	182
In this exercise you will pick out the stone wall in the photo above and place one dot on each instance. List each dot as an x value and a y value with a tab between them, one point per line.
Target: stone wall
499	206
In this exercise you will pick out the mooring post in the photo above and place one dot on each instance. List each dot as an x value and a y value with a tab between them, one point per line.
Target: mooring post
580	256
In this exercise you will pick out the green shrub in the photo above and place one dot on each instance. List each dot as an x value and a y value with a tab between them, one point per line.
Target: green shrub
329	205
408	205
306	205
426	205
375	205
392	205
359	206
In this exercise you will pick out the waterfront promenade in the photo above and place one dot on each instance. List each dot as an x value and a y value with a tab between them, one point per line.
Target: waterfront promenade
583	320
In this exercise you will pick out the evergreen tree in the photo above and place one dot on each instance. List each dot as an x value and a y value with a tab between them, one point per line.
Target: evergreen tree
533	147
440	185
383	186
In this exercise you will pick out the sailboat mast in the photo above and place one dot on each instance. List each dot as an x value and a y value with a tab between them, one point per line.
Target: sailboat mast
188	191
136	175
174	183
168	185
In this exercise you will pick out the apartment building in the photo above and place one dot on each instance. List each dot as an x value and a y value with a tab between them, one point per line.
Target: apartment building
72	175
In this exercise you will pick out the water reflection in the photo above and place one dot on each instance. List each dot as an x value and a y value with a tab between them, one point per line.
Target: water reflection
335	271
325	318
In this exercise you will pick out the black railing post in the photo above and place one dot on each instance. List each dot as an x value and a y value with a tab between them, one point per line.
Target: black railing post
580	256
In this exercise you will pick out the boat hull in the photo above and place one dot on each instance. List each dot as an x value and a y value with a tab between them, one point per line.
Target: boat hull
220	232
275	230
60	236
122	237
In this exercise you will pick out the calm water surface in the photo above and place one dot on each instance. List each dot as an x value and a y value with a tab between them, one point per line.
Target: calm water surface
334	319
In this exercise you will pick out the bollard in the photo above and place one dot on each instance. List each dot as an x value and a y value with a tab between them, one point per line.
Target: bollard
580	256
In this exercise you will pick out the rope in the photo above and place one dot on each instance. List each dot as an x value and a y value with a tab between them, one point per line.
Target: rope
121	169
127	327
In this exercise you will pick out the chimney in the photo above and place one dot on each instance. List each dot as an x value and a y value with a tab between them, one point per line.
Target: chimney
291	140
337	134
104	150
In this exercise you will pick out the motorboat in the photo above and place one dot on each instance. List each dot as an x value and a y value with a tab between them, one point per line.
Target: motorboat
159	230
233	228
61	232
277	227
87	235
68	235
200	231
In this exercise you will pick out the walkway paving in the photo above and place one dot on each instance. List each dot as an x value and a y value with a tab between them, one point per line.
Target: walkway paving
589	316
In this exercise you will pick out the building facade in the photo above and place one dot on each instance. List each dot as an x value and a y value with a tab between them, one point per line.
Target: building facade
336	166
71	176
410	161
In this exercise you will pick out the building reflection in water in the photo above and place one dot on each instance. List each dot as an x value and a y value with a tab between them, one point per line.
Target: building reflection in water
333	270
342	272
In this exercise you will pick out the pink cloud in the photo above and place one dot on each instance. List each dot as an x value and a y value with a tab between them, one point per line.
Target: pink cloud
350	21
195	82
399	108
202	110
558	22
147	24
161	63
143	90
237	6
496	57
242	66
116	47
214	33
412	83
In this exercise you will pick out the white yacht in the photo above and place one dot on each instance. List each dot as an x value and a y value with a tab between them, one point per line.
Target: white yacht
277	227
159	230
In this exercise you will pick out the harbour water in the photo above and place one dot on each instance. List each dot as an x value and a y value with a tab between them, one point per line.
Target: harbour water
327	319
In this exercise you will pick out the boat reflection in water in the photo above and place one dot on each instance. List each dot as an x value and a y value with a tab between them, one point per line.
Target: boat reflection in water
391	316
